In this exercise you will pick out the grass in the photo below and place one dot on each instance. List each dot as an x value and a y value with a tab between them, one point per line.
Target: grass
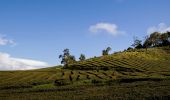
134	74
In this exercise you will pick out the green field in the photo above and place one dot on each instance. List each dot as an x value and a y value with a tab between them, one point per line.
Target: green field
134	74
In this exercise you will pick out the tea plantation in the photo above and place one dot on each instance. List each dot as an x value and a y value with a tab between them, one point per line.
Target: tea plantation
131	74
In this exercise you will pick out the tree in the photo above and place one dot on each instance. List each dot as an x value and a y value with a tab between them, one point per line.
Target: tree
129	48
168	34
147	43
82	57
155	39
66	58
137	43
164	39
108	49
72	59
106	52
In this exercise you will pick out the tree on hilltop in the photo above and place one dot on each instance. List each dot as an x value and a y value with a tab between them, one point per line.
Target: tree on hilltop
66	58
106	51
82	57
137	43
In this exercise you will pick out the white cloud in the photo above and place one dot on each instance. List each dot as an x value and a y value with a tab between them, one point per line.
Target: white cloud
162	27
9	63
5	41
105	27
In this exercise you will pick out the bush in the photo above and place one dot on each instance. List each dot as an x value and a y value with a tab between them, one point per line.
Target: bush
60	82
62	73
130	48
78	77
87	77
94	81
72	72
70	78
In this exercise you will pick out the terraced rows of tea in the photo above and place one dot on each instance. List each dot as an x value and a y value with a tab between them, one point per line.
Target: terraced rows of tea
134	61
153	63
28	79
142	71
64	84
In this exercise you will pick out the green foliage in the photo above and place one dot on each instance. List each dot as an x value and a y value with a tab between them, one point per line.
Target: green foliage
125	75
44	86
137	43
67	58
147	43
60	82
157	39
82	57
106	51
164	38
94	81
129	48
138	59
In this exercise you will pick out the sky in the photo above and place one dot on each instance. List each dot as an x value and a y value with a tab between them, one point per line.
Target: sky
33	33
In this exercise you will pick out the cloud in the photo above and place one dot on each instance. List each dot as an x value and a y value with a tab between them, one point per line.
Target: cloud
9	63
105	27
162	27
4	41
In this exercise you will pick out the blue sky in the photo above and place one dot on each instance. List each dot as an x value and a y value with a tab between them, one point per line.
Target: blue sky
41	29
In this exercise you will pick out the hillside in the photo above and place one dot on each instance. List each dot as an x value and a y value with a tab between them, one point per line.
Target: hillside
142	68
153	60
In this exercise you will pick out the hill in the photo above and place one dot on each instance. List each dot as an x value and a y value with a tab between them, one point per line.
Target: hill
136	73
153	60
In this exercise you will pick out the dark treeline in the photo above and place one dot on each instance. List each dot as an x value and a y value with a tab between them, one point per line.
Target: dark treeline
155	39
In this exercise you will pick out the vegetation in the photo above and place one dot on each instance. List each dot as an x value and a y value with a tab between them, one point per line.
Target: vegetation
66	57
157	39
82	57
137	43
131	74
106	52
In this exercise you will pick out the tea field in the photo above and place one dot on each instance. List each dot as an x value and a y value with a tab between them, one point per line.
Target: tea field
131	74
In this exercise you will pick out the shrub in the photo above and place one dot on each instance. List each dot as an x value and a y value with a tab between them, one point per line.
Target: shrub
60	82
78	77
87	77
62	73
130	48
94	81
70	78
72	72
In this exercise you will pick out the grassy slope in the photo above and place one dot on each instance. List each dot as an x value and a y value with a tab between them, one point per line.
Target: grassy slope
154	60
144	71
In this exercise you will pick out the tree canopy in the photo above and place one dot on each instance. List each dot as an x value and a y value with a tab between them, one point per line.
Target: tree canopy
82	57
106	51
66	58
155	39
